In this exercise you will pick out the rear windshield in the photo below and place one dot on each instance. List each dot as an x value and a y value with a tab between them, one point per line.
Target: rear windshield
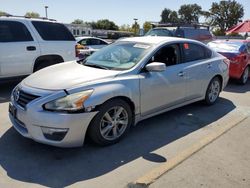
159	32
233	47
53	31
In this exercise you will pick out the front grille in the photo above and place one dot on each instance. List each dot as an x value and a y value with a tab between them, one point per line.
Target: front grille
25	98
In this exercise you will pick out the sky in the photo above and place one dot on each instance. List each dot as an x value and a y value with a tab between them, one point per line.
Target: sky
119	11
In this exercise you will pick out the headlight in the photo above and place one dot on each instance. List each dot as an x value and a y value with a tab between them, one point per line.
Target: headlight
71	103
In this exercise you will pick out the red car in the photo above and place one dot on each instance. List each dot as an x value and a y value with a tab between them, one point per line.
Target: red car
238	52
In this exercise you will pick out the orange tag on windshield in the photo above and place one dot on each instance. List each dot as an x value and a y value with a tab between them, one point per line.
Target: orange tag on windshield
186	46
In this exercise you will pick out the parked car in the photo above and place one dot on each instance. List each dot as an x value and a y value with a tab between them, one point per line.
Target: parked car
191	32
114	88
89	45
160	31
27	45
238	52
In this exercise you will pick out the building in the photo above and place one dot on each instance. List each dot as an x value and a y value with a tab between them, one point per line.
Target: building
80	29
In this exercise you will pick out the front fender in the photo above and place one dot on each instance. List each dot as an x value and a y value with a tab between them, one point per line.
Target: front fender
103	93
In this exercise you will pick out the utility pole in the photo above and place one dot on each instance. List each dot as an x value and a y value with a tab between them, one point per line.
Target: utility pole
135	19
46	13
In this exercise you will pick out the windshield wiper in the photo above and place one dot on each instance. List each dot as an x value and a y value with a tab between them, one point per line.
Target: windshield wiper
96	66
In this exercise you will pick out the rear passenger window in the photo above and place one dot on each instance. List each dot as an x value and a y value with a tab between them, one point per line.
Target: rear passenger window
53	31
13	31
193	52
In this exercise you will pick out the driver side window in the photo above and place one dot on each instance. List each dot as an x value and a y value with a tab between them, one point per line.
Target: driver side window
170	55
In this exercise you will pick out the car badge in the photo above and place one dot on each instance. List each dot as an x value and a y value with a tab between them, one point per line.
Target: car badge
16	94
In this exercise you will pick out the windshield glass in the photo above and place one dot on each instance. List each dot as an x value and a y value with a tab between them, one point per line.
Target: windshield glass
226	46
159	32
118	56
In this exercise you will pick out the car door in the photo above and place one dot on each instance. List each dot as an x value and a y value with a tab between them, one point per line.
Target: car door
160	90
198	69
18	49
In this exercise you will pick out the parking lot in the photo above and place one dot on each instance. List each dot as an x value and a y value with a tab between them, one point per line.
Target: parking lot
25	163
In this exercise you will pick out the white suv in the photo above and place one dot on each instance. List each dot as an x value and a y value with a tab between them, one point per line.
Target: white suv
27	45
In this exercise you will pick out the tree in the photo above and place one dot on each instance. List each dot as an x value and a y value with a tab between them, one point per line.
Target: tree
77	21
190	13
147	26
104	24
169	16
174	17
3	13
32	14
225	14
136	28
165	15
125	27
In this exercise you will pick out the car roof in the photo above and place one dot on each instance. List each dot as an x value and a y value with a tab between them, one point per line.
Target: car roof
231	41
154	40
87	37
21	18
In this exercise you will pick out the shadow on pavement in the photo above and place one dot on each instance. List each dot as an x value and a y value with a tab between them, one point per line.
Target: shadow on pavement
234	87
5	90
27	161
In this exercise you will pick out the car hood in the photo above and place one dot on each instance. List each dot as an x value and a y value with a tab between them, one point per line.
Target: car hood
66	75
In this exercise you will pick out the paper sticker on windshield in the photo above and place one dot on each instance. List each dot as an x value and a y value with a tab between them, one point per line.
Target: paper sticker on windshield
144	46
186	46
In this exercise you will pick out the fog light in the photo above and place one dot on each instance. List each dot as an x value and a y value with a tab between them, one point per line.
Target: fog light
54	134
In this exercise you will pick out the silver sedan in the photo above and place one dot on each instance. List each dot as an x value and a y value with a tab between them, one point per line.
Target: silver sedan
116	87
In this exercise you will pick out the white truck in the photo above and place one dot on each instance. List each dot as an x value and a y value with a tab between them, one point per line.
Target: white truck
27	45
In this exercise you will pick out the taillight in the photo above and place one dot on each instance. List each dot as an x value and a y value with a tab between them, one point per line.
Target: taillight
79	47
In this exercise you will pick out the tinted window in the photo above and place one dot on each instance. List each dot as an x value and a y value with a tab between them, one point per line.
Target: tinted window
12	31
170	55
179	33
53	31
159	32
195	52
97	42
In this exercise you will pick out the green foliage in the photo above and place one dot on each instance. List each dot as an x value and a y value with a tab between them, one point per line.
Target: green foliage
168	15
174	17
218	32
126	27
136	28
77	21
32	14
165	15
190	13
226	14
104	24
3	13
147	26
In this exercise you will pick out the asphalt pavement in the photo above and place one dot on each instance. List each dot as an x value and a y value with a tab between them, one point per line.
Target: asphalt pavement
153	142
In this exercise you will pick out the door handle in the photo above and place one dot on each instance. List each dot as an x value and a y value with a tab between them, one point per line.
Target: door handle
209	65
181	74
31	48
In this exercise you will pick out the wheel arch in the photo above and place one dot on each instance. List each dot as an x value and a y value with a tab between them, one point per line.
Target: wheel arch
50	59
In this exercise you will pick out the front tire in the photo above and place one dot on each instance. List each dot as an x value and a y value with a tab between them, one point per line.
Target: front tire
111	123
213	91
244	77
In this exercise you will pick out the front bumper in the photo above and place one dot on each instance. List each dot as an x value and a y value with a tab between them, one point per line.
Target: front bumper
29	122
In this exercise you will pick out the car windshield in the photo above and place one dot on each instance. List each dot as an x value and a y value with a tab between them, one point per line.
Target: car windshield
159	32
233	47
118	56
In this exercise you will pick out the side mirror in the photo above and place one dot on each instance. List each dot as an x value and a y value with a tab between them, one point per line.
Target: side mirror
156	67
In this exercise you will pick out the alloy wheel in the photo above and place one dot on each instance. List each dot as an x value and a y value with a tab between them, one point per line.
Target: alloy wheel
113	123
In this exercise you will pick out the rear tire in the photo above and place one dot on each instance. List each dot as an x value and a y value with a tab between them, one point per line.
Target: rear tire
111	123
213	91
244	77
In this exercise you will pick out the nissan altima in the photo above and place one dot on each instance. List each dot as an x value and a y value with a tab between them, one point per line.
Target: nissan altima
116	87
